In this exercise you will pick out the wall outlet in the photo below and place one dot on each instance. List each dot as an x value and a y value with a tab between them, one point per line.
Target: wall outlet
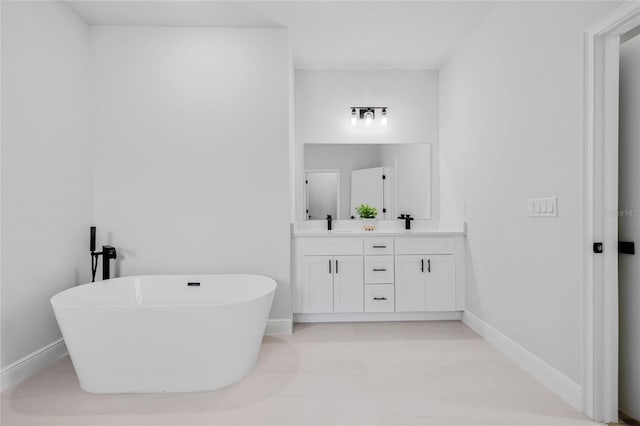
546	207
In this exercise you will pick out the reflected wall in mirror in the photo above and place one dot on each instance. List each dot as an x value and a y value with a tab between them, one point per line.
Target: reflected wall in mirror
322	194
394	178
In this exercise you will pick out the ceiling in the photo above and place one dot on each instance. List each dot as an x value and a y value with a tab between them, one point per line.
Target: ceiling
324	34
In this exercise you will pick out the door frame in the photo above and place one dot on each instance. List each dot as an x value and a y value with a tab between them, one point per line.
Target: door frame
601	56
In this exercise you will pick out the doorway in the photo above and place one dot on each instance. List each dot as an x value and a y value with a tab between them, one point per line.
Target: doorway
600	219
629	229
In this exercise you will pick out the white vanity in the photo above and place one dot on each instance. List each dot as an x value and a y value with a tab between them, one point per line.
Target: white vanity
350	274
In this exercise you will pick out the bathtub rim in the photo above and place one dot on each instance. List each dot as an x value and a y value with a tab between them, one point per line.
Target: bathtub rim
57	304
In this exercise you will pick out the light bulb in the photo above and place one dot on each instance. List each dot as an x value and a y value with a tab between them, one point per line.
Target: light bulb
368	118
354	118
383	119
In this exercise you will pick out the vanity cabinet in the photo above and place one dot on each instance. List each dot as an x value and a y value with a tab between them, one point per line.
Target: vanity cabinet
317	284
332	284
332	275
425	283
355	278
348	285
425	274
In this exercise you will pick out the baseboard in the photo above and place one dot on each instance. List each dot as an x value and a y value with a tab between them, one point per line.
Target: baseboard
627	419
29	365
378	316
557	382
278	327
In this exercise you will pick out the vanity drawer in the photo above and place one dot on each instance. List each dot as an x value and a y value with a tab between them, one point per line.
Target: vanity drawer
331	246
378	245
425	245
379	298
378	269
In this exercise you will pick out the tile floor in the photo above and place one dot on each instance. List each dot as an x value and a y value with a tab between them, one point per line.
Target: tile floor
410	373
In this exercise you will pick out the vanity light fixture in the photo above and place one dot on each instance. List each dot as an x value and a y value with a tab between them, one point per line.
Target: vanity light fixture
383	118
368	114
368	117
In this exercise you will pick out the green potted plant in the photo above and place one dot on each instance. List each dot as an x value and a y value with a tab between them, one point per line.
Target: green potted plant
368	215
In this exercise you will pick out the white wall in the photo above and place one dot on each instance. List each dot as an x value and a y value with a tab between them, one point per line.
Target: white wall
191	150
511	99
324	98
630	227
46	168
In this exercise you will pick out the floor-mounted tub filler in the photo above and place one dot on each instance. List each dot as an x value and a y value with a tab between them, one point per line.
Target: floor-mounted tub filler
164	333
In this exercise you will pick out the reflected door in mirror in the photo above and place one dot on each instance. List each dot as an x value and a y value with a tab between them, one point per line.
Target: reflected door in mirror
322	194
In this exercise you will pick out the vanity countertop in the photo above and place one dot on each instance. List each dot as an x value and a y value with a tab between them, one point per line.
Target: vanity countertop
384	229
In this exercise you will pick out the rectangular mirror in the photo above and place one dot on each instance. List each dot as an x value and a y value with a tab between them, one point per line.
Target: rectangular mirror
394	178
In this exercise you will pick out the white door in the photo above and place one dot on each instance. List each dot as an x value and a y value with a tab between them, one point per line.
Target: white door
348	284
367	188
629	228
317	284
440	283
410	283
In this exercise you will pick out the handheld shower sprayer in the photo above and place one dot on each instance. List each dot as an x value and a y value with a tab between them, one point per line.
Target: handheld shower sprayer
92	241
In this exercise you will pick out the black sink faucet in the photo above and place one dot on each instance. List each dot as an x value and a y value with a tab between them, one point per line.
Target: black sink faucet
407	220
329	220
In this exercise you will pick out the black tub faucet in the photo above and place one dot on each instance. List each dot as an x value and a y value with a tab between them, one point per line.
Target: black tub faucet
329	220
107	253
407	220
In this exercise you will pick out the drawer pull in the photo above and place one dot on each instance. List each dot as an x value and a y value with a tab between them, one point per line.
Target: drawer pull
379	298
380	270
379	246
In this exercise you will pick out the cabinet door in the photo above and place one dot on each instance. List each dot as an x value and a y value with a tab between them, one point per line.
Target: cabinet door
317	284
441	283
348	284
410	283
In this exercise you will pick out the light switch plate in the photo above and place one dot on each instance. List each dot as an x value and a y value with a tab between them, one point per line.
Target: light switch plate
543	207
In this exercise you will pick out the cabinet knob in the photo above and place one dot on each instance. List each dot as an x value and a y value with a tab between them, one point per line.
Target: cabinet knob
379	298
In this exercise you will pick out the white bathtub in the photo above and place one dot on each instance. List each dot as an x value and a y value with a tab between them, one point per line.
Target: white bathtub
158	334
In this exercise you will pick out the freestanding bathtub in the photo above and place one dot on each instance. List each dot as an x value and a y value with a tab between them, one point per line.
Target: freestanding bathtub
164	333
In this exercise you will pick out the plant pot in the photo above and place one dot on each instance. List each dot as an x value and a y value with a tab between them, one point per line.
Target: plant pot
369	224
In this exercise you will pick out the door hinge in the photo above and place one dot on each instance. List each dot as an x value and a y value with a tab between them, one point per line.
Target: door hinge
626	247
597	247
